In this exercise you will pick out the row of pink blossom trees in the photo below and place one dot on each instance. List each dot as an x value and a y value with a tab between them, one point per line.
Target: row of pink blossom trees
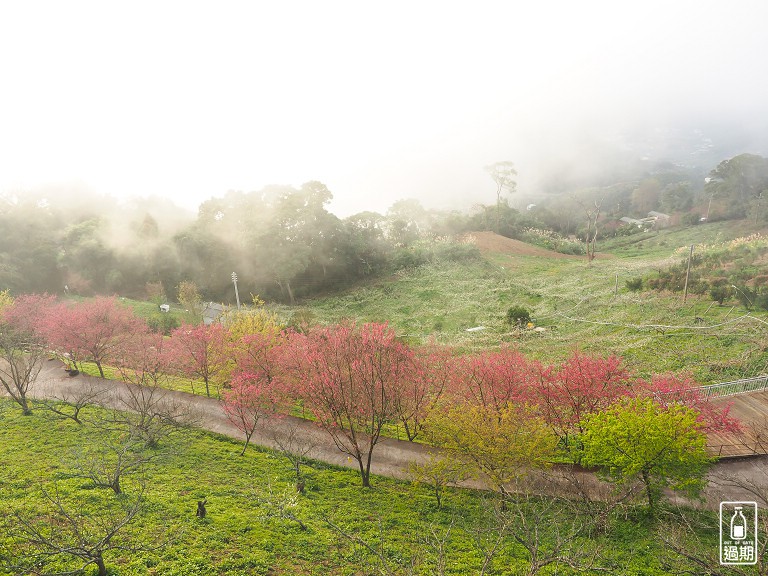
357	379
354	379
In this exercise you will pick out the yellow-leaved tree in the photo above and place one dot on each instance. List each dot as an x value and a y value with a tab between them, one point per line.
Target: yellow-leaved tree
250	333
502	444
5	301
638	438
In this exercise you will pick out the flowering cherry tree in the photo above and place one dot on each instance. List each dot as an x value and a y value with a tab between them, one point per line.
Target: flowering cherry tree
581	385
493	379
255	391
351	378
199	352
94	329
27	313
669	389
430	376
247	401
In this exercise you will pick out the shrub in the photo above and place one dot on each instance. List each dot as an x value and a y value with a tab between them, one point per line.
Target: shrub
410	258
720	293
690	219
163	323
635	284
518	316
746	296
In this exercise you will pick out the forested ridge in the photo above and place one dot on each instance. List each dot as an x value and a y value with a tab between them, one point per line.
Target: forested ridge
285	244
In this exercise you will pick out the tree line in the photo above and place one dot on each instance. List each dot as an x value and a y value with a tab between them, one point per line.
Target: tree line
495	412
282	242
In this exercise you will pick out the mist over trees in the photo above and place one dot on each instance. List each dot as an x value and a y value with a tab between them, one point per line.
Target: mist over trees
284	243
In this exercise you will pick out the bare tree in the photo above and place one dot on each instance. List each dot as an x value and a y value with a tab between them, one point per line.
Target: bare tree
149	408
21	358
684	550
297	448
74	536
503	174
549	532
115	456
432	551
436	545
151	413
549	529
282	505
384	564
488	533
592	213
685	553
69	404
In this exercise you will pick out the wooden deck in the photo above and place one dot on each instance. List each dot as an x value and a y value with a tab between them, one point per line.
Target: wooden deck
751	408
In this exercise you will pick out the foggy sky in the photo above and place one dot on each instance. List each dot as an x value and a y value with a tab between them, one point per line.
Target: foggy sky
377	101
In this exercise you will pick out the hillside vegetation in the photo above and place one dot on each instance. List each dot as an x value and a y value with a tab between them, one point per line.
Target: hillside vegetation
577	305
457	294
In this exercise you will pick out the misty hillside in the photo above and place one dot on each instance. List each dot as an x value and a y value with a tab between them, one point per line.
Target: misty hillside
285	244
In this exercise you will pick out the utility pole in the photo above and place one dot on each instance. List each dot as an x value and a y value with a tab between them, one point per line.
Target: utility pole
687	273
237	294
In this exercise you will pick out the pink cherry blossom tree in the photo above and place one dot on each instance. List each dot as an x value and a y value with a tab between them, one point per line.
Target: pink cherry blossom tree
94	329
351	378
579	386
199	352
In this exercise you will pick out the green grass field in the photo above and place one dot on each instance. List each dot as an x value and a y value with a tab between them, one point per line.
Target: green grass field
396	525
242	535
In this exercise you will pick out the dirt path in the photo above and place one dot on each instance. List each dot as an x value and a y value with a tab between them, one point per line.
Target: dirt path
495	243
391	457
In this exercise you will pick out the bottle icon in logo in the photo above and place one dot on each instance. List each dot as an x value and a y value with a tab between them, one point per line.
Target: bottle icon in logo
738	525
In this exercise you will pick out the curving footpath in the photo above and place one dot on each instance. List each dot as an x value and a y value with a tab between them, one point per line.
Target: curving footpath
390	458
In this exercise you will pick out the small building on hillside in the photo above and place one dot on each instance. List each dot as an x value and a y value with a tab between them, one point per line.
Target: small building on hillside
660	220
212	312
653	221
631	221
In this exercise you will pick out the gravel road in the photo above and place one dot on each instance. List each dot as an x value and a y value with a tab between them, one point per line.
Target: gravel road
391	457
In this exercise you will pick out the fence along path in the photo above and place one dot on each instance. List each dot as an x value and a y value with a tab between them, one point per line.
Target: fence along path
748	398
756	384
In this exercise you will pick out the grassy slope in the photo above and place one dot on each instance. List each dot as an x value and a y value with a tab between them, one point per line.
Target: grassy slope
236	538
577	305
438	300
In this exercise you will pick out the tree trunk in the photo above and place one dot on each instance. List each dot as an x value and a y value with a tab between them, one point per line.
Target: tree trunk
116	485
365	472
648	490
99	561
410	435
290	293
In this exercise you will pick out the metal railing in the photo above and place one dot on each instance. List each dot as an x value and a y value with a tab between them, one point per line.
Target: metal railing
756	384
